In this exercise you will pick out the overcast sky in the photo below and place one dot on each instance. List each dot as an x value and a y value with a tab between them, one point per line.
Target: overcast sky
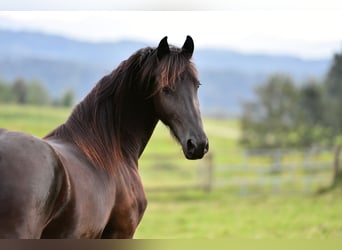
167	4
309	29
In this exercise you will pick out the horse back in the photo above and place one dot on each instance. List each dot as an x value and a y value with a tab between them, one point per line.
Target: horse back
31	180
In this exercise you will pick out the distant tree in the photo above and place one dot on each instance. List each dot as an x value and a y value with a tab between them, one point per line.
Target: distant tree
333	88
270	120
6	94
37	94
311	124
19	89
311	102
67	98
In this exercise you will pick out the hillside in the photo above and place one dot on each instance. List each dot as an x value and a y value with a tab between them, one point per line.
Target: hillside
228	77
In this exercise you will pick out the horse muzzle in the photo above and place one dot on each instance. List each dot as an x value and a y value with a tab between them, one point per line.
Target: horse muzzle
196	148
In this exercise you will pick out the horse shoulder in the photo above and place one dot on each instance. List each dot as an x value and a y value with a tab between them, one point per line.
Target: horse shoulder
91	192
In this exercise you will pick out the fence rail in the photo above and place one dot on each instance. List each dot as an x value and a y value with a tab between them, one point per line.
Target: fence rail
244	171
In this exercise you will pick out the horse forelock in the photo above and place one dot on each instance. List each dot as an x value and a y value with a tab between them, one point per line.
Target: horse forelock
165	72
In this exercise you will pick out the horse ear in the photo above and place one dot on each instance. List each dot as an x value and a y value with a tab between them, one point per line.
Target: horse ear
188	47
163	48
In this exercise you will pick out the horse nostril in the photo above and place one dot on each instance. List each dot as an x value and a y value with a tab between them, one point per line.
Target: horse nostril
191	146
206	147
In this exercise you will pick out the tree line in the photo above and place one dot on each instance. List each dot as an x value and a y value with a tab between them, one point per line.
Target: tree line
286	114
33	92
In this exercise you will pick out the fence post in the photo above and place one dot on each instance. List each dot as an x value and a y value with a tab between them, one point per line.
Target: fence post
208	173
245	158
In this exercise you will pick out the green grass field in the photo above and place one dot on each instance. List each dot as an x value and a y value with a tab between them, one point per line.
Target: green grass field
34	120
198	214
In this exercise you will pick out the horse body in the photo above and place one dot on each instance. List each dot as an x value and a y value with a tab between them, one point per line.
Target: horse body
82	180
69	198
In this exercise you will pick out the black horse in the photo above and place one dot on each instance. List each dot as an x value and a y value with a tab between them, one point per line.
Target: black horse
82	180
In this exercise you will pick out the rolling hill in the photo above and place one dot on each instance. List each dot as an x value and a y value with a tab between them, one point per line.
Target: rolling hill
228	77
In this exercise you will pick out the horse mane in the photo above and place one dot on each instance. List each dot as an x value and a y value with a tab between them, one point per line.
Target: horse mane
95	123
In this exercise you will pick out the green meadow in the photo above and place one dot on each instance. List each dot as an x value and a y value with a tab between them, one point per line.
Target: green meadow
37	121
192	212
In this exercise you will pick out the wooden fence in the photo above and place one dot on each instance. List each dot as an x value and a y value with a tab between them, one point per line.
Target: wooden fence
276	171
242	171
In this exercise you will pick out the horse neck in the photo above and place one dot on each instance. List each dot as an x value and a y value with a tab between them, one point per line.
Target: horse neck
137	125
110	137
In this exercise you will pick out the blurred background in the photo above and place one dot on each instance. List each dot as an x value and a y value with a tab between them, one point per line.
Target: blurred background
271	100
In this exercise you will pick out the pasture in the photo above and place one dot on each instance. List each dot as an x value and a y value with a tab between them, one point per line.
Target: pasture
191	213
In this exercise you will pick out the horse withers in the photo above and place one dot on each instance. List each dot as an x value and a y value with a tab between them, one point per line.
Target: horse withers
82	180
